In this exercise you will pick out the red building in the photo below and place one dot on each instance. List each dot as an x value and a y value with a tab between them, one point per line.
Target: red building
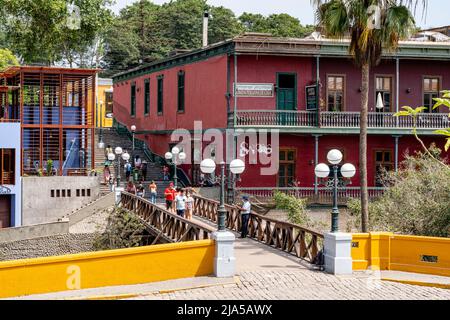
273	77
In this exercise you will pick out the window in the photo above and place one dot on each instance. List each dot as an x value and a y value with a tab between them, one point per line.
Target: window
147	96
286	172
335	93
383	162
7	166
181	78
133	99
431	88
108	102
160	94
383	86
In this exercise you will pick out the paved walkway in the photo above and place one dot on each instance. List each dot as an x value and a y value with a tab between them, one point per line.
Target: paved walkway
266	273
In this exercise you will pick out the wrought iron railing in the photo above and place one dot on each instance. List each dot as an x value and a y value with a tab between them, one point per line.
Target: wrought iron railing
327	119
320	195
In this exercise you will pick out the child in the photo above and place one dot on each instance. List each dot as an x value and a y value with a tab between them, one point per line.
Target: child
189	206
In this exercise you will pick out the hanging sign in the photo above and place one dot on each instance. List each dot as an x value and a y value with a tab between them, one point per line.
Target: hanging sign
311	97
261	90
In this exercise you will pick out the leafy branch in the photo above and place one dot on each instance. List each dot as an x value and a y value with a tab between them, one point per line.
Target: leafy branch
414	113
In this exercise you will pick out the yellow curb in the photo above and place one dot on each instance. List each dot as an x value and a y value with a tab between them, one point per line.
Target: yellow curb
419	283
134	295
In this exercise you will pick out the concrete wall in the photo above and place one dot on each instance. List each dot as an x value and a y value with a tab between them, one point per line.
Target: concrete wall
10	139
39	206
30	232
107	268
96	206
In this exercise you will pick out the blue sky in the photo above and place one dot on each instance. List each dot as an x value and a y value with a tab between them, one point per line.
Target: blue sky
437	15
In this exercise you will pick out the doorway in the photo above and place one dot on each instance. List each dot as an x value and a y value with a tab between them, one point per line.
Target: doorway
286	91
5	212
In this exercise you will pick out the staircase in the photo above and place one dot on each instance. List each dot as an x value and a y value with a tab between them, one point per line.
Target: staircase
154	170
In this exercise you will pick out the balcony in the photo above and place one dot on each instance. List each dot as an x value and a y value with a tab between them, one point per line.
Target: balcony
323	196
309	119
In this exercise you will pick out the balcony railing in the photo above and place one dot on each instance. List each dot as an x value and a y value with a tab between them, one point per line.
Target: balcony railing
321	196
278	118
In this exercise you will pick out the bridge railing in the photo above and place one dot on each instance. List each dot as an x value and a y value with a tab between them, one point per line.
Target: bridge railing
291	238
169	226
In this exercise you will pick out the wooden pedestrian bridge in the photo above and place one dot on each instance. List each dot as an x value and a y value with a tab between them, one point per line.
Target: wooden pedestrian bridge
168	227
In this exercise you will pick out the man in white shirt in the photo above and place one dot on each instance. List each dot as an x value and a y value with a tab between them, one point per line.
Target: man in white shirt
245	215
180	201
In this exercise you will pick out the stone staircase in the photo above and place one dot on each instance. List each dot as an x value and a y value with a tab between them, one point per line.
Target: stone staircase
154	170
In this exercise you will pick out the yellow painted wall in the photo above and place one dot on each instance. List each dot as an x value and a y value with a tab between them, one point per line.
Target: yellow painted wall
106	268
387	251
101	120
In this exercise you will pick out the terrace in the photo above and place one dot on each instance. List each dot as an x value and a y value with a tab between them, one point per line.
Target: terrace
336	120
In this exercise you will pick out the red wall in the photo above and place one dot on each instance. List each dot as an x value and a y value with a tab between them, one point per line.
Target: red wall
264	69
349	144
411	75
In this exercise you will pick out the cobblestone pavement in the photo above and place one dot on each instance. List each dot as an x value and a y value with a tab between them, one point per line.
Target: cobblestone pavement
305	284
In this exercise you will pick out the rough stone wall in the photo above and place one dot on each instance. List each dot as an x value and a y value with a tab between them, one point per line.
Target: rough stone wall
47	246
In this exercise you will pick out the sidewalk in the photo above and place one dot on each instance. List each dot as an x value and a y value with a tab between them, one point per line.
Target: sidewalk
132	291
416	279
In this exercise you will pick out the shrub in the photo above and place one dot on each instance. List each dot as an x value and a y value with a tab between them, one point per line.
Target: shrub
123	230
417	200
296	208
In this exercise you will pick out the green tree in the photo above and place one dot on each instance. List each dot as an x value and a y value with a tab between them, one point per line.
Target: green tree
41	30
417	199
149	31
279	25
223	25
7	58
369	37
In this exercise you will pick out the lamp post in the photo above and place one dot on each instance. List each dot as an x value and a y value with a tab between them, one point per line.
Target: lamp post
175	156
208	166
120	154
347	170
133	131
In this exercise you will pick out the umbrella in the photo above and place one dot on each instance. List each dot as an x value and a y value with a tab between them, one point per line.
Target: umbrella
380	102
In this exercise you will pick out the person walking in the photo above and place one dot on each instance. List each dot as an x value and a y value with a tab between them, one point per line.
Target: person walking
144	170
108	150
169	195
245	215
106	173
189	205
128	169
180	202
166	173
140	190
131	188
153	192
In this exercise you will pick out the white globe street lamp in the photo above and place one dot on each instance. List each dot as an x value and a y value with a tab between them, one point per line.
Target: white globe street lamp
118	150
237	166
347	170
334	156
322	170
111	157
208	166
174	156
126	156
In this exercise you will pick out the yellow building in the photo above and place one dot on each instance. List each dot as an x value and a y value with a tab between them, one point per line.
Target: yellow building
104	110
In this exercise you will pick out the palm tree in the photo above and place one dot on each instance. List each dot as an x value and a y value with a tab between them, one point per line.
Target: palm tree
354	19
